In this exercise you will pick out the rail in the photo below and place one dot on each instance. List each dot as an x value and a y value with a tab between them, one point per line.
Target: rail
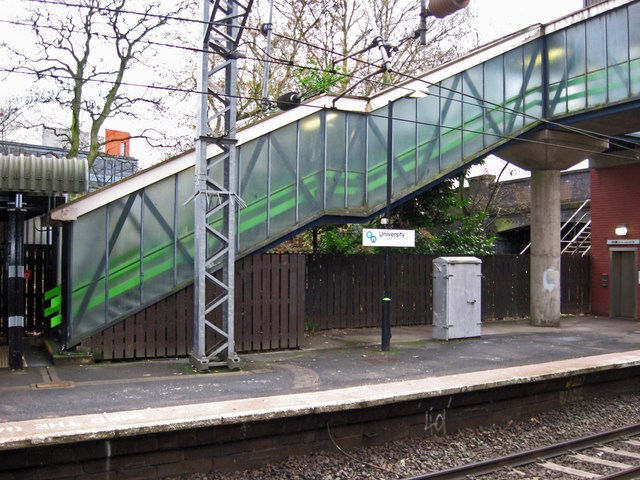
587	201
545	453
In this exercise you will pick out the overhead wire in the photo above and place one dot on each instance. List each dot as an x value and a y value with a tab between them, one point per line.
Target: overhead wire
581	131
109	37
185	19
384	117
573	129
505	108
370	114
329	51
189	48
116	10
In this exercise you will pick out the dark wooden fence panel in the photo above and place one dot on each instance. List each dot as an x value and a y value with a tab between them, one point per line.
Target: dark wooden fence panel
346	291
575	284
269	302
274	299
505	286
269	315
358	280
411	287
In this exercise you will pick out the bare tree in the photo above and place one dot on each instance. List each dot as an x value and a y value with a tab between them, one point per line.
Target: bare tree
326	33
12	112
86	50
316	36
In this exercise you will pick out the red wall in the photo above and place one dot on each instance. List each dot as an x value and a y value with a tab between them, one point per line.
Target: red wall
615	199
113	139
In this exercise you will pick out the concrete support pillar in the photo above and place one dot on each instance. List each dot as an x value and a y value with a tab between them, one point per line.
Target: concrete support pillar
545	248
545	154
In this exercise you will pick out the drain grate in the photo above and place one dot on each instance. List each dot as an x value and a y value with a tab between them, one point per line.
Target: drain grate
4	356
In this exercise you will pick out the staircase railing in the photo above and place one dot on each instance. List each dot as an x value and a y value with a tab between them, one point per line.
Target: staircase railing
578	239
570	220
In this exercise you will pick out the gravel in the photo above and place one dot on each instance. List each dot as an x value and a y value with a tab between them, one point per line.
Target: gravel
413	456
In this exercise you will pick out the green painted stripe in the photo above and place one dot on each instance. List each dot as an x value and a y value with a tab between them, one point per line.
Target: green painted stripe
54	307
133	282
55	291
55	321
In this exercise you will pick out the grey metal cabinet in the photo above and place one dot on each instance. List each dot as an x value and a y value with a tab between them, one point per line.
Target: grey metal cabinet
456	297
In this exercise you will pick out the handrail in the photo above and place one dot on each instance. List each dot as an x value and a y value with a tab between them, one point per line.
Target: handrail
579	221
565	223
576	236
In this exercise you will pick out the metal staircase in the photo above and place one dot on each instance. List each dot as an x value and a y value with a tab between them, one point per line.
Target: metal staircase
575	234
580	243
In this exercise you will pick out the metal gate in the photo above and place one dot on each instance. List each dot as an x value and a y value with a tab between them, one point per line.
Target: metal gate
40	268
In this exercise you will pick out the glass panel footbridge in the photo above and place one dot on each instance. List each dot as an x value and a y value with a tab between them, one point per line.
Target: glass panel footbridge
132	243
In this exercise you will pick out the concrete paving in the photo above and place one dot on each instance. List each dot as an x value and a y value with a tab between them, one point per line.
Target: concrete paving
327	361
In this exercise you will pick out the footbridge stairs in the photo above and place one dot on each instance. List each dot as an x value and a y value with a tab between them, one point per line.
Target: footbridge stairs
130	244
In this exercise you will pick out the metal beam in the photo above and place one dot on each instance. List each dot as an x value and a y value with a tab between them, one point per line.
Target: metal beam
223	23
15	281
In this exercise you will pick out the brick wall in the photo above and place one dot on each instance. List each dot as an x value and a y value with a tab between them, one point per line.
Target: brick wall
615	199
117	143
243	442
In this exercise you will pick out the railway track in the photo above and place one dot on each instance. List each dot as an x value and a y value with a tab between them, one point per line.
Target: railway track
606	456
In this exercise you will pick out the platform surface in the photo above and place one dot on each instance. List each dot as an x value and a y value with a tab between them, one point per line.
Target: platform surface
332	370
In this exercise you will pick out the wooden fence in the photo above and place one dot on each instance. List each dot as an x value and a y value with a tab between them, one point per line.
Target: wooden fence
575	284
277	296
269	315
345	291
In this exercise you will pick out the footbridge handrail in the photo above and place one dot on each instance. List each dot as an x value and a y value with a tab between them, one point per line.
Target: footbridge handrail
132	243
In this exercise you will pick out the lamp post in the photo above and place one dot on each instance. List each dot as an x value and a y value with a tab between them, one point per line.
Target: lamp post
386	300
436	8
439	9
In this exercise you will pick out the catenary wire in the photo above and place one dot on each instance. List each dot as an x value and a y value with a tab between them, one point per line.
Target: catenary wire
116	10
438	125
109	37
326	50
374	115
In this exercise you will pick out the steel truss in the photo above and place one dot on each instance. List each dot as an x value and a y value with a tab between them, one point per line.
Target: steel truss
215	198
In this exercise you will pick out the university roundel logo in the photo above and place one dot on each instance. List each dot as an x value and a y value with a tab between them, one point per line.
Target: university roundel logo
383	237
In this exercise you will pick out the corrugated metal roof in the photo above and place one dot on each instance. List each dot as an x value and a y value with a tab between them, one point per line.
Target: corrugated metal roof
44	175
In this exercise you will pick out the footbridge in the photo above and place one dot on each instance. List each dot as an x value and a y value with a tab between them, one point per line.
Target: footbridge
544	98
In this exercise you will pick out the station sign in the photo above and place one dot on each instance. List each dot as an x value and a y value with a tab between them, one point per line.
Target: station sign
380	237
624	241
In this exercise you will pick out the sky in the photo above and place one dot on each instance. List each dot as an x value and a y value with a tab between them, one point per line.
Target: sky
496	18
500	17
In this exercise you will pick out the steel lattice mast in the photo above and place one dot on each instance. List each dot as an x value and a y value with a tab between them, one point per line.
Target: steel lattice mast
215	198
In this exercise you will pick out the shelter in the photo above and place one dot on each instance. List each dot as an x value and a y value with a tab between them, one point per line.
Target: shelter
29	186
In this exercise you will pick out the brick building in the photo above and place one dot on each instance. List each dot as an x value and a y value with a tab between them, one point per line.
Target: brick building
615	240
